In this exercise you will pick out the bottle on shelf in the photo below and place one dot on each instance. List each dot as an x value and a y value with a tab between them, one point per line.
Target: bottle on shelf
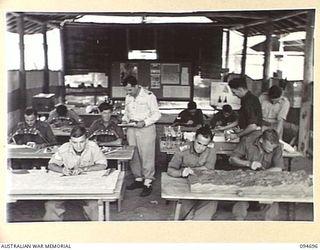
179	136
219	100
225	99
169	137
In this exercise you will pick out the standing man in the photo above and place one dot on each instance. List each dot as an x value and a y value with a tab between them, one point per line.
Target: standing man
193	155
32	132
250	113
141	107
73	158
261	153
275	108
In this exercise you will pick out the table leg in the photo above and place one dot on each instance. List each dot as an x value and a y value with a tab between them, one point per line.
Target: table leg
289	164
100	210
121	196
177	210
107	210
291	211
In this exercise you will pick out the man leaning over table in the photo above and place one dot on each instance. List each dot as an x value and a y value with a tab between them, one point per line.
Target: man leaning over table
193	155
250	113
73	158
261	153
141	108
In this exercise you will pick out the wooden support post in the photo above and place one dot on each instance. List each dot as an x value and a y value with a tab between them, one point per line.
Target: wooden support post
244	54
267	57
62	87
45	86
227	49
22	72
305	112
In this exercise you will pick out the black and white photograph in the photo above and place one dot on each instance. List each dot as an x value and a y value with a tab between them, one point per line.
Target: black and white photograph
160	116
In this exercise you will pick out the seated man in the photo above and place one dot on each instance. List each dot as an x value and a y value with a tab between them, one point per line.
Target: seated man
224	119
190	117
275	108
197	154
105	130
62	116
263	153
73	158
32	132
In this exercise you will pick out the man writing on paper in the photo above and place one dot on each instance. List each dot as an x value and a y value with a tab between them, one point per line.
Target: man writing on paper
192	155
73	158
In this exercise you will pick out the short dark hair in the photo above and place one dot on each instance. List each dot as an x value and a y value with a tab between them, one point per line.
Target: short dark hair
78	131
61	110
270	135
238	83
205	131
274	92
226	108
192	105
30	111
129	80
105	106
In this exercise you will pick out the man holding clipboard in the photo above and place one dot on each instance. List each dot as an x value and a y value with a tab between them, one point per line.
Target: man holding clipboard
141	112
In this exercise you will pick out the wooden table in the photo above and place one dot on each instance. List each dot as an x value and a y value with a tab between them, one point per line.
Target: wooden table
43	185
122	154
177	189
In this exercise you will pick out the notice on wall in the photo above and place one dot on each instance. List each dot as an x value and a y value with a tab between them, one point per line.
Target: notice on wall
176	91
170	73
155	76
184	76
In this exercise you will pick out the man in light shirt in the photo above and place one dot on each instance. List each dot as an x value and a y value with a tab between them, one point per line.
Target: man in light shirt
275	108
141	108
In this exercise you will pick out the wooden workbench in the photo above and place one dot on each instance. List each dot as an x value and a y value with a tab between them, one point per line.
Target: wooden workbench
43	185
177	189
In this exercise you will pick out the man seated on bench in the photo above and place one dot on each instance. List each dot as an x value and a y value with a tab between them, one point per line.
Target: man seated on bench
262	153
73	158
197	154
105	130
62	116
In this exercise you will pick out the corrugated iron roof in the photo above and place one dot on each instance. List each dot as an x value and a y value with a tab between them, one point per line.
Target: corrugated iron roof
250	22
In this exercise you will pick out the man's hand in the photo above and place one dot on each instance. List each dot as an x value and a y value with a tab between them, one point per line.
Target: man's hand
190	122
31	144
140	124
255	165
230	137
77	171
67	171
186	172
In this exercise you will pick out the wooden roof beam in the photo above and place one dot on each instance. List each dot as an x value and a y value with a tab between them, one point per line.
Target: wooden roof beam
294	13
34	20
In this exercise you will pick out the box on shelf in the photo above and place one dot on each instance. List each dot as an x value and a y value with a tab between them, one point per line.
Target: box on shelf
43	102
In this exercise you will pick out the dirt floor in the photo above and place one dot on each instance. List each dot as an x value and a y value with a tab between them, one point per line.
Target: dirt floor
153	207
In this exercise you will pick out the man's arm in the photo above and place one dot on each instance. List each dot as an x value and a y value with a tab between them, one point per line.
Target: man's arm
174	167
231	125
277	160
236	159
55	168
155	113
250	128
